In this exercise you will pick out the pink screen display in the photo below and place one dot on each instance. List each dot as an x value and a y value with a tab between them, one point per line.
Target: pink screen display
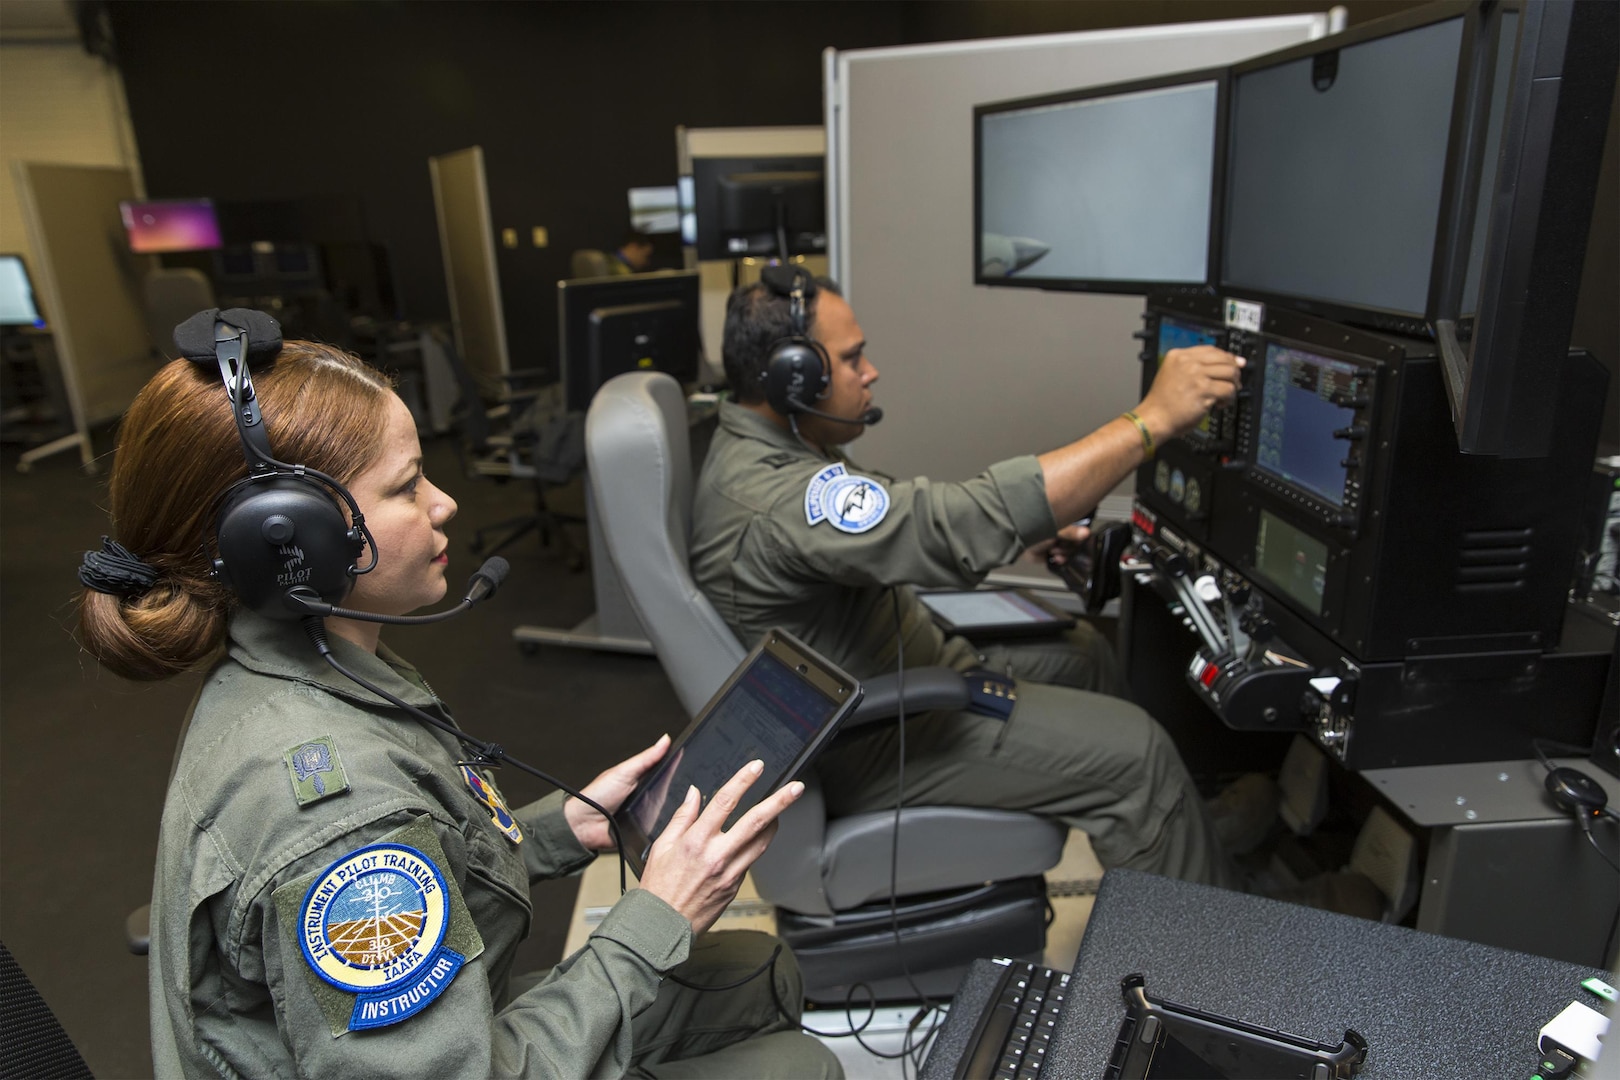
179	225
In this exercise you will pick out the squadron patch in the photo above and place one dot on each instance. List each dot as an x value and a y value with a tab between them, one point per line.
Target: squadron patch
813	511
316	770
382	930
854	504
486	793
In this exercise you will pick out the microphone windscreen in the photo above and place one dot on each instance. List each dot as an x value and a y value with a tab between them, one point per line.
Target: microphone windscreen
872	415
194	338
488	577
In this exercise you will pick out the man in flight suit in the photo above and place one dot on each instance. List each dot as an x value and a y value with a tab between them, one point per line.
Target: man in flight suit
787	531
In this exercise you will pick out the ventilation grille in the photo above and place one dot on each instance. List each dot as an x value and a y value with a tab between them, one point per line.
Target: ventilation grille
1493	561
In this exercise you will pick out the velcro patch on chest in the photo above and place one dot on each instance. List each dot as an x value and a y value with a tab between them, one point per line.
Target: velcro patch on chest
382	931
316	770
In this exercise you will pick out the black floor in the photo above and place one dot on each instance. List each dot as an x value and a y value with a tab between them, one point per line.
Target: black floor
84	756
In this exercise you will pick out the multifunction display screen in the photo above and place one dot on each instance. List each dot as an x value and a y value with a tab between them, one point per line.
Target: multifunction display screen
1179	335
1292	560
1306	399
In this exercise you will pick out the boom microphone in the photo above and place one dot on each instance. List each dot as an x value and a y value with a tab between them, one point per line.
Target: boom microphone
481	586
869	417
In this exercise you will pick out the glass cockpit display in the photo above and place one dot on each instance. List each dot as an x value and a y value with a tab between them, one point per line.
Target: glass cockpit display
1305	409
1180	335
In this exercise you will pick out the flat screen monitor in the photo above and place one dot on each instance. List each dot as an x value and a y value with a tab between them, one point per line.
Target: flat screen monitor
1339	157
759	206
612	325
17	304
686	196
655	210
1106	189
170	225
1304	401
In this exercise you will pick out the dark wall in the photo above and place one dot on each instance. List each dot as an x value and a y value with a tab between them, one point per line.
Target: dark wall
573	103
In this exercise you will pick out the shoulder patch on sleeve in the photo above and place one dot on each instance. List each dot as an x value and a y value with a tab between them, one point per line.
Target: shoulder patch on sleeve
854	504
316	770
813	511
382	931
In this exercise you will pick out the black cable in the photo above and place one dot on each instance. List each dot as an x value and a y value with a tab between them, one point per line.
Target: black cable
487	753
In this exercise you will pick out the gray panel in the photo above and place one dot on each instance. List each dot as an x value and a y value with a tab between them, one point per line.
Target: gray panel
973	375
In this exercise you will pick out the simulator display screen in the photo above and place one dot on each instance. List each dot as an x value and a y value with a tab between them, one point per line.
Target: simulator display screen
1298	416
770	713
1346	157
1292	560
1102	189
178	225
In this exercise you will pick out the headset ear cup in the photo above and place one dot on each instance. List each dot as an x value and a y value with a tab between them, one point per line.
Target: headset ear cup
279	532
795	375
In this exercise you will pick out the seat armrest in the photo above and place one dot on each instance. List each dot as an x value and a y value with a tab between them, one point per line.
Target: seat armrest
926	689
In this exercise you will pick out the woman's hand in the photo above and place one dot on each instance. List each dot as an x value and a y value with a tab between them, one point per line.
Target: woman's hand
610	789
694	866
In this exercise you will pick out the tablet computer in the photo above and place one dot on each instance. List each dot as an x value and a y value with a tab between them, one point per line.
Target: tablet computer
781	705
986	613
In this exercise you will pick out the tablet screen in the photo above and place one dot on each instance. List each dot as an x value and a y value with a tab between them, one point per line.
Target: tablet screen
987	608
771	713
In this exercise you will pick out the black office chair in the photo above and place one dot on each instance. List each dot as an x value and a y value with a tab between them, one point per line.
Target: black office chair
969	879
521	436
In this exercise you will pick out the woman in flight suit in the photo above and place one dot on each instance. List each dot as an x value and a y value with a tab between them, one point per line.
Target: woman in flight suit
335	893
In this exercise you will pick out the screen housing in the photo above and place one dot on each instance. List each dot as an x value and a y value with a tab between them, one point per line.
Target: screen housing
1533	150
1218	77
838	691
177	225
599	320
1323	55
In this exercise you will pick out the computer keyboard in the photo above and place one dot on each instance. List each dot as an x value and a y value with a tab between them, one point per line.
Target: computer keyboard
1011	1037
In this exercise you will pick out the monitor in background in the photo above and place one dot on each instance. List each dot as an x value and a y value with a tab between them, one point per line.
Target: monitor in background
17	305
1106	189
1339	158
640	322
1535	127
760	206
686	196
655	210
170	225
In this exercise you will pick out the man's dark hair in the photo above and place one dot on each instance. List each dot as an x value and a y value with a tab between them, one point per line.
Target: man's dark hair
756	319
636	237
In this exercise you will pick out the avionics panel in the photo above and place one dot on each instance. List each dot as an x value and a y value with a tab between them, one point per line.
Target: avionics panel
1301	435
1340	168
1102	189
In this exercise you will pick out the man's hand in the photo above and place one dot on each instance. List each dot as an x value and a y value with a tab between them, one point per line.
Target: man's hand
1190	382
610	789
694	866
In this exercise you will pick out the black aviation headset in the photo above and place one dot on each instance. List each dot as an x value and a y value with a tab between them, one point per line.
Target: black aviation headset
280	533
798	371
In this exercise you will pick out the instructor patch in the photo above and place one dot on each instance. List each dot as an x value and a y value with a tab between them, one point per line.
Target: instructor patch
813	513
854	504
382	930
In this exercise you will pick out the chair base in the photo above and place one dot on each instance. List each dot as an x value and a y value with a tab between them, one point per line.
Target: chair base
941	934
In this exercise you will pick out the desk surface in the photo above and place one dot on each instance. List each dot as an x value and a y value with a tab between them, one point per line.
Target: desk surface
1429	1006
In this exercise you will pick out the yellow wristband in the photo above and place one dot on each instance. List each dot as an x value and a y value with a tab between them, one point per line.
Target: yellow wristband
1147	436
